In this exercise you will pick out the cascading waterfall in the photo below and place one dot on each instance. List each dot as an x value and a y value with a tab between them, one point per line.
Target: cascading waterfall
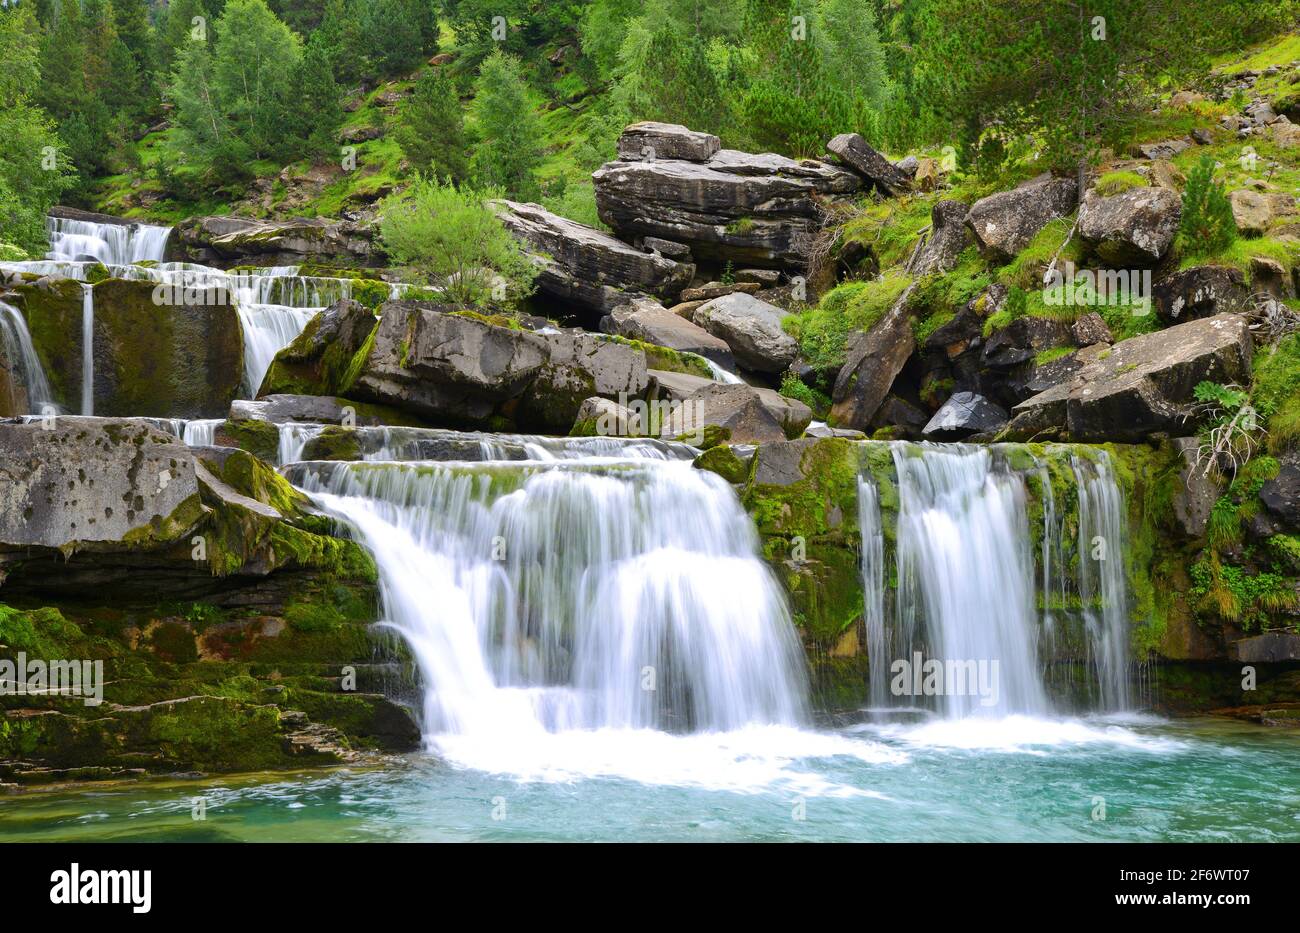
1103	587
87	349
969	590
111	244
574	596
17	342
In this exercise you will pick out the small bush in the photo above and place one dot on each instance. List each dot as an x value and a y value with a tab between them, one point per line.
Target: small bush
1207	227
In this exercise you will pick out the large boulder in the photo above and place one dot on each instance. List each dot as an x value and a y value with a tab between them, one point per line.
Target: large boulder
964	414
1198	292
226	241
1136	227
857	154
873	361
760	210
793	414
156	352
1006	222
582	265
649	141
464	370
1281	494
1252	211
319	358
644	319
752	329
1145	384
733	407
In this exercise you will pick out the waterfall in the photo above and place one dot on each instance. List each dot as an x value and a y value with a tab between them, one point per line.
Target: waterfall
873	589
22	359
201	432
87	349
1103	585
111	244
723	375
969	587
573	595
268	329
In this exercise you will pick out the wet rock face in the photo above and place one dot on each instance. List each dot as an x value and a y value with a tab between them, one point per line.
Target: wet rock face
1145	384
226	241
71	482
1136	227
1006	222
749	209
157	352
319	357
584	266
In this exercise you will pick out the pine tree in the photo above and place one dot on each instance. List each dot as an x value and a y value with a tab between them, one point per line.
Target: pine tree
1207	226
431	129
316	113
510	132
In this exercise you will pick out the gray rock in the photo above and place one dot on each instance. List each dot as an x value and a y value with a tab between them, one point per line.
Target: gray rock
1252	211
86	483
677	252
793	414
964	414
1091	328
825	430
711	290
737	408
1023	339
582	265
855	152
873	361
1269	648
1198	292
752	328
649	141
752	210
221	241
1136	227
1144	384
315	358
644	319
1281	494
309	409
948	237
1195	493
1006	222
1161	150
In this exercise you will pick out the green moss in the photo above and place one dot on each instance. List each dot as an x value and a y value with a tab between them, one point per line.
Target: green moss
333	443
1113	183
723	461
41	633
1043	357
1027	269
1276	391
259	438
823	331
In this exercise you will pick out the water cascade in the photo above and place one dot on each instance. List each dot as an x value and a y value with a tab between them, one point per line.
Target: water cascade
110	244
976	592
87	349
573	595
16	341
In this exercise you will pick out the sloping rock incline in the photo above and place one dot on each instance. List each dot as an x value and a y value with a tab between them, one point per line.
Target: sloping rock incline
750	209
1144	384
582	265
873	361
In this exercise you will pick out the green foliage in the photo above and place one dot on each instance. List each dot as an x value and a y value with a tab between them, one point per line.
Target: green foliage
510	135
431	129
1276	391
1015	306
396	34
1113	183
1207	227
34	171
457	243
823	331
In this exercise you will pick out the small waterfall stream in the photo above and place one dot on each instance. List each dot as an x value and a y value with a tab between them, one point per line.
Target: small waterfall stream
87	349
970	595
16	341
